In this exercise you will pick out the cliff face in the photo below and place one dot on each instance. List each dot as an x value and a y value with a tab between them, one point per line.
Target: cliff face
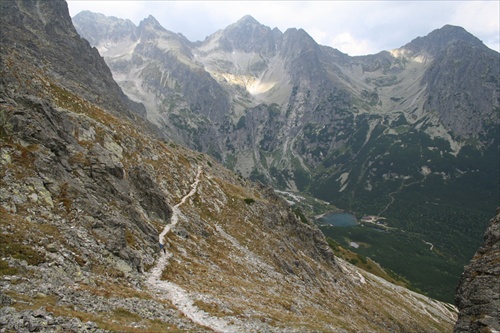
42	35
478	293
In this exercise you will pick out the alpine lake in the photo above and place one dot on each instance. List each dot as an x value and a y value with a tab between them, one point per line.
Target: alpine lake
339	219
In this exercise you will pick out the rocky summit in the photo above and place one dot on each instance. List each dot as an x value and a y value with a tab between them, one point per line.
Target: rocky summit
108	226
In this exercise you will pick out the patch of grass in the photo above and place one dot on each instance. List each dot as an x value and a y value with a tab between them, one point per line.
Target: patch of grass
79	158
211	308
366	264
298	212
65	198
22	159
118	320
404	253
122	314
14	243
27	302
6	127
116	289
249	201
5	269
130	238
12	247
107	270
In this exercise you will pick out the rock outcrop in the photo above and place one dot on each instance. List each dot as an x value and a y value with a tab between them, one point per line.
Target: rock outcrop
64	56
478	293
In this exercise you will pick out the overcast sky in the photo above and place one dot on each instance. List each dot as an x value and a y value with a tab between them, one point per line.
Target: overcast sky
353	27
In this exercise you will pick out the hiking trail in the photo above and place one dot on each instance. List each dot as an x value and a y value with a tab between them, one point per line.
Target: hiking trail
179	297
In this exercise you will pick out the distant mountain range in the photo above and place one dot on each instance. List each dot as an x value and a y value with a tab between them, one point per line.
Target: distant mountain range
410	134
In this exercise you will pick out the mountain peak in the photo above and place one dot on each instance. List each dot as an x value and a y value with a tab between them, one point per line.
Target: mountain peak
439	39
451	33
151	22
87	14
248	35
96	27
91	16
247	20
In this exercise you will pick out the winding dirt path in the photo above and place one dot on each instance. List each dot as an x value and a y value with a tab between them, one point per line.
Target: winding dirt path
176	211
169	290
391	195
432	245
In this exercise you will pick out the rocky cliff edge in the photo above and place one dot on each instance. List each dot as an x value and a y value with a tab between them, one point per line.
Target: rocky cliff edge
478	292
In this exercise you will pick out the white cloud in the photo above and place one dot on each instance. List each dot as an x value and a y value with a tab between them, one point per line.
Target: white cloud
487	13
352	46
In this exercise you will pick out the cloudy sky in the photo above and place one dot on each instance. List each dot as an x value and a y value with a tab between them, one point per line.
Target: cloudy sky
353	27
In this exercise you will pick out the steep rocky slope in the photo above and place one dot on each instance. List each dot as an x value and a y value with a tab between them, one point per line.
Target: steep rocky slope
478	294
179	95
61	61
88	191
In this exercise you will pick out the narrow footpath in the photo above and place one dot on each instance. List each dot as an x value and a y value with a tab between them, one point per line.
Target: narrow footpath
432	245
391	195
174	293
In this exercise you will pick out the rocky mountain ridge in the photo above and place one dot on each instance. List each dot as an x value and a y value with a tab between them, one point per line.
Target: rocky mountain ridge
410	133
87	189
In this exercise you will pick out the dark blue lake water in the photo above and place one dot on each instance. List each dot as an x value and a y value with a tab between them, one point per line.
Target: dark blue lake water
341	219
